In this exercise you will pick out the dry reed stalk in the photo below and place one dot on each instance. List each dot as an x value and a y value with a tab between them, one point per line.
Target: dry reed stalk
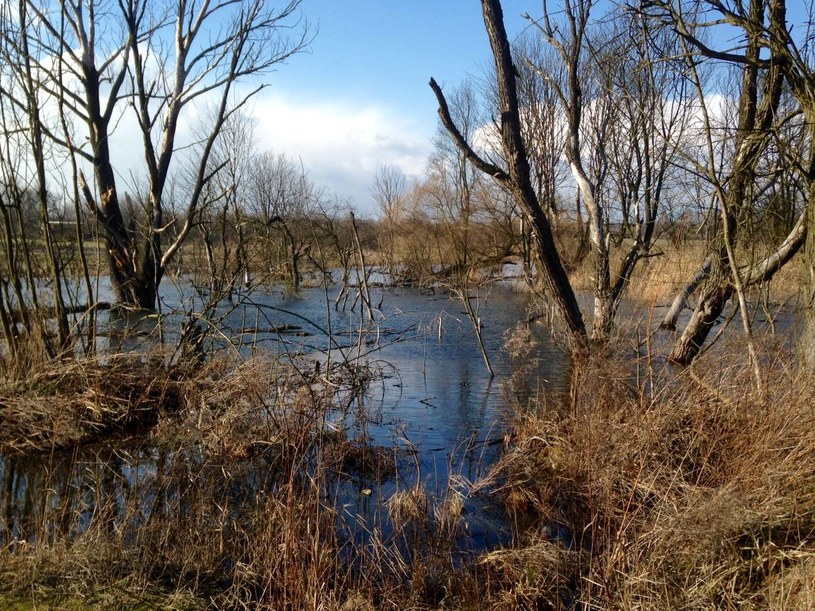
673	497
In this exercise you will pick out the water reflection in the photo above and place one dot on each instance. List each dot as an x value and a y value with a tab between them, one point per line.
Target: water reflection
433	403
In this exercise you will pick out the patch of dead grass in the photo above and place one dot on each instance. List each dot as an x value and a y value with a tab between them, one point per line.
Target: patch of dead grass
676	498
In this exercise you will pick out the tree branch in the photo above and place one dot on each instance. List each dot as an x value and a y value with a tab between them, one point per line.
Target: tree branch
461	141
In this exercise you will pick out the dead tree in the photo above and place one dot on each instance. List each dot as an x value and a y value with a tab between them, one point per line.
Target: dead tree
114	59
516	176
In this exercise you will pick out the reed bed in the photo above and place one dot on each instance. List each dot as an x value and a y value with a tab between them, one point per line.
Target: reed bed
688	491
646	487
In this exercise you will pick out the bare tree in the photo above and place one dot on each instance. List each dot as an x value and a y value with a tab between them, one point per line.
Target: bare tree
768	58
454	200
224	203
334	235
389	192
419	238
104	60
281	194
25	202
621	135
516	177
544	134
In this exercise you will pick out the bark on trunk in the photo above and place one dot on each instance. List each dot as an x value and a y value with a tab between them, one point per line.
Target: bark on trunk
705	315
715	297
517	176
679	302
134	285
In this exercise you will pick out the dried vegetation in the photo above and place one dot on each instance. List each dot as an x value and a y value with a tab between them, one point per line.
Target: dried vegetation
647	487
684	492
227	498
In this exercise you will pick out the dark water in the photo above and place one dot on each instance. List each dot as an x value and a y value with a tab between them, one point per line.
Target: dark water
431	400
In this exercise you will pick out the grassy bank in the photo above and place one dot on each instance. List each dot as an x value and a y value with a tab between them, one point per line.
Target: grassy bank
645	487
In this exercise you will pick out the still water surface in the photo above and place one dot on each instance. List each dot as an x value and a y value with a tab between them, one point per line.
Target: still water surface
432	399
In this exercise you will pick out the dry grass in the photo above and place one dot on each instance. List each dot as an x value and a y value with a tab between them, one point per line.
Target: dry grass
695	495
657	279
698	495
227	503
221	505
652	490
63	403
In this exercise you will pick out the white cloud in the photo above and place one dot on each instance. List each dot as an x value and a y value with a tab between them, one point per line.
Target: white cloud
342	145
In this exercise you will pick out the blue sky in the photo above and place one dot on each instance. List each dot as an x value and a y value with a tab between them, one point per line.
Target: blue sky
359	98
387	50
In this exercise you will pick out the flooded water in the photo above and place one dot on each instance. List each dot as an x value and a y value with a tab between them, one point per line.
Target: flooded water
432	401
430	405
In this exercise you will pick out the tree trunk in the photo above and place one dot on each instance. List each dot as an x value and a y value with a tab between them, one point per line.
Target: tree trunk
712	303
131	286
679	302
807	341
517	176
704	316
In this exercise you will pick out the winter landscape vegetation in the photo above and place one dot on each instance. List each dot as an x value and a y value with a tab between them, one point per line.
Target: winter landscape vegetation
564	362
